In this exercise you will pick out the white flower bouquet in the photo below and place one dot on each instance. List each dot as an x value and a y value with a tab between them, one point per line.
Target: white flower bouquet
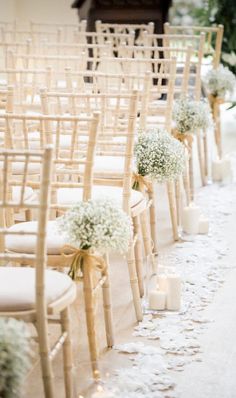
190	115
96	225
15	355
220	81
159	156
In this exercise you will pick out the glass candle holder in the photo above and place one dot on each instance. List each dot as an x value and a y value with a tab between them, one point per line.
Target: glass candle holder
90	383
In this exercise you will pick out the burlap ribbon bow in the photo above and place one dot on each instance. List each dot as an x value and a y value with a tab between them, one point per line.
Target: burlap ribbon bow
81	257
214	100
185	138
140	182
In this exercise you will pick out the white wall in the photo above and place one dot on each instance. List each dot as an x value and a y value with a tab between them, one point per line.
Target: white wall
38	11
7	10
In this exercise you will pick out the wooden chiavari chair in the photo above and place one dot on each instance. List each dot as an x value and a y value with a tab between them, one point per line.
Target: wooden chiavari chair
72	170
184	85
211	59
177	45
114	150
156	112
35	295
213	40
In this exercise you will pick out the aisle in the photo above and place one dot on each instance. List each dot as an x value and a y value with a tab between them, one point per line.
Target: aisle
214	377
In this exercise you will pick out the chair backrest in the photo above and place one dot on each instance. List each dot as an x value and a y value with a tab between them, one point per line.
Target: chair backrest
67	29
57	62
115	39
213	40
91	82
161	92
74	140
9	202
139	29
186	83
98	81
25	84
50	48
9	35
116	126
7	99
179	43
41	31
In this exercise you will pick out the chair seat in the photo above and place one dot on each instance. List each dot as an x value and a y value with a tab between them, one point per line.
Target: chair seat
109	165
69	196
17	288
29	193
55	241
27	243
18	168
65	139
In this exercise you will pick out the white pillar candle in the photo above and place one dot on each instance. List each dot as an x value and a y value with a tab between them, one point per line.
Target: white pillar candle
173	292
203	227
190	219
157	300
221	169
162	282
216	170
226	168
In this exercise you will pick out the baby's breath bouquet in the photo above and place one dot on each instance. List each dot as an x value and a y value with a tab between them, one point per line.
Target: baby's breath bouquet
220	81
15	355
159	156
190	115
96	225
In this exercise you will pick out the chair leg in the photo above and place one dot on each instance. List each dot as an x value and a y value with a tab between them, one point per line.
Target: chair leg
146	233
152	212
134	283
67	353
173	212
147	240
178	200
46	365
138	255
28	215
206	159
90	313
191	175
200	158
186	182
217	129
107	307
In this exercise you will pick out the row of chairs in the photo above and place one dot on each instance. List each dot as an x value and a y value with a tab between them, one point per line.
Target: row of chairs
91	156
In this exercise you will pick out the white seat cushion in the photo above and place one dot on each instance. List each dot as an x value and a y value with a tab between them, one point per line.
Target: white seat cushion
109	164
65	140
29	193
27	243
17	287
69	196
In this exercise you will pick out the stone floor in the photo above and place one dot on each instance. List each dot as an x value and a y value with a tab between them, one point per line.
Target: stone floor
213	377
